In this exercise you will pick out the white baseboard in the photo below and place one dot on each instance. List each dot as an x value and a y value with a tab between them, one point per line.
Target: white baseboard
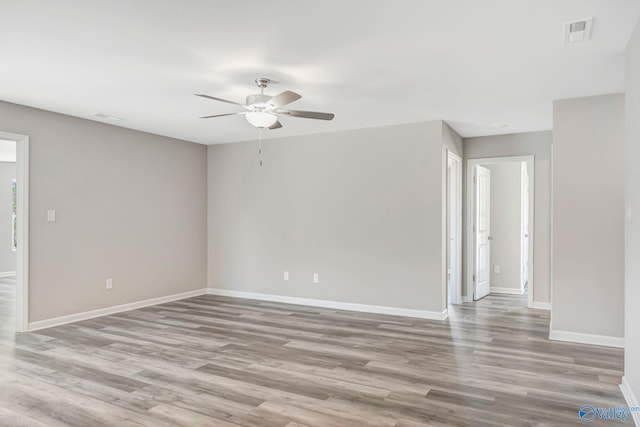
63	320
377	309
8	274
541	305
510	291
577	337
625	388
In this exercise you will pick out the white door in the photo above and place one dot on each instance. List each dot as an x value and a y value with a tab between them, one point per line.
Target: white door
482	233
449	233
525	226
454	198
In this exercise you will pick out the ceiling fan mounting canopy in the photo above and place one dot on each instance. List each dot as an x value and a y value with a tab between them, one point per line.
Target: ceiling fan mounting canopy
262	110
262	82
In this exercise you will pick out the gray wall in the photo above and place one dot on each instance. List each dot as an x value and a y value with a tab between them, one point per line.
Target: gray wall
362	208
632	230
537	144
7	255
506	225
130	206
588	213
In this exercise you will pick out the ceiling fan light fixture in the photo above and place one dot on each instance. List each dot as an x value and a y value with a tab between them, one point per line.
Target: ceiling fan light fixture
261	119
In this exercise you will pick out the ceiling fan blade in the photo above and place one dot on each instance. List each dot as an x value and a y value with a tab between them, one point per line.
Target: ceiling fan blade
221	115
307	114
276	125
219	99
284	98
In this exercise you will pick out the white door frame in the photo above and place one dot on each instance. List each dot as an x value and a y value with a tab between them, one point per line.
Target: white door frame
470	213
22	215
456	262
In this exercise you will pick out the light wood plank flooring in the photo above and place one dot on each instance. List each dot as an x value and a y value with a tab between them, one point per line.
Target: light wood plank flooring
214	361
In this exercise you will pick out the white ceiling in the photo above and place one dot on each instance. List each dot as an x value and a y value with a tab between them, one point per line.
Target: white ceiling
7	151
487	67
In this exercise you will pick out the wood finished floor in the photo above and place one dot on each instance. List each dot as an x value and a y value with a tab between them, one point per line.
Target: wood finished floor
214	361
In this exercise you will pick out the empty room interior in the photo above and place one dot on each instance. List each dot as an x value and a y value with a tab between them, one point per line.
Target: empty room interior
362	213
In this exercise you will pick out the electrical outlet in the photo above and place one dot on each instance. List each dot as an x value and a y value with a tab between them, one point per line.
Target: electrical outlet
51	215
316	278
285	276
109	283
496	269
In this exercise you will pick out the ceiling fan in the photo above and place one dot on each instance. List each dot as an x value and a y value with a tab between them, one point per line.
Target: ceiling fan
262	110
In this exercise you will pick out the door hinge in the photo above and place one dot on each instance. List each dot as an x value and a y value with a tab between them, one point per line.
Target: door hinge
474	228
474	277
474	179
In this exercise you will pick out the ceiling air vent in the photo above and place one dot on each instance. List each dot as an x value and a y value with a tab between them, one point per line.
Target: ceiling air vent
578	31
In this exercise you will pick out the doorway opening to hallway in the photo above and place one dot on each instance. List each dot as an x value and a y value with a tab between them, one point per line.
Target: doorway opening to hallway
8	236
499	226
14	234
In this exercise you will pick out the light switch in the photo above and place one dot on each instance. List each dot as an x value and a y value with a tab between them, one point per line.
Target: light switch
316	278
285	276
51	216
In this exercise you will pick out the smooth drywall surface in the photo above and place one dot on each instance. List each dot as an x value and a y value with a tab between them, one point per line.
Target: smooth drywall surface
506	225
537	144
130	206
7	254
588	216
632	229
361	208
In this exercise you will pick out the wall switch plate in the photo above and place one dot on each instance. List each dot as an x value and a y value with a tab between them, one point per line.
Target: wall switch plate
496	269
51	215
316	278
285	276
109	283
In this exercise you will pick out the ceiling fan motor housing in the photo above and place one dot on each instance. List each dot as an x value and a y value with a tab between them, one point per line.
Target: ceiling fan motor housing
258	98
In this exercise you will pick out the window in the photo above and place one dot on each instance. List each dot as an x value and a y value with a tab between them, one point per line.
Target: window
14	216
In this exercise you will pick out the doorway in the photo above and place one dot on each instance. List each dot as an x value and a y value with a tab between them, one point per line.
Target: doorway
14	284
454	229
7	236
499	226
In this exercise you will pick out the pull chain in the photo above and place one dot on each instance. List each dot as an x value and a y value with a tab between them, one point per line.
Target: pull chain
260	146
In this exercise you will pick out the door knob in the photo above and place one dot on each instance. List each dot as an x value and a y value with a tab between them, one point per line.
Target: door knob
489	238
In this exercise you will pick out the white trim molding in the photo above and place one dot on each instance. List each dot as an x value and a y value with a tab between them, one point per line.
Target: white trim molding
8	274
376	309
539	305
509	291
577	337
71	318
631	399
